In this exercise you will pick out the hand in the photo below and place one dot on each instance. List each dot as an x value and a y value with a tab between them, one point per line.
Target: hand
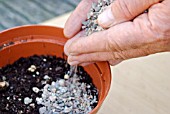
130	32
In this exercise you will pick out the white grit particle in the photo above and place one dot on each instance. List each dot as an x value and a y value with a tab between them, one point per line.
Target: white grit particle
35	89
32	68
66	76
27	100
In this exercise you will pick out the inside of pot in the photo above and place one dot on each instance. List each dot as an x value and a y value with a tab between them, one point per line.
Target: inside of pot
41	45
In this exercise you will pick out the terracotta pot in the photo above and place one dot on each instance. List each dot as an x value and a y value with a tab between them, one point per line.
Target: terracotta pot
29	40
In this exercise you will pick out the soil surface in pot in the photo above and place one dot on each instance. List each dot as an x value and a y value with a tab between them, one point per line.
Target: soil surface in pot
42	85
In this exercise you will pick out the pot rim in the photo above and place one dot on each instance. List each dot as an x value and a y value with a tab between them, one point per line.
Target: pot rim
103	67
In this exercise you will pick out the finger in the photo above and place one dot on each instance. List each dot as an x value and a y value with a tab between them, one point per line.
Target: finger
77	36
95	42
116	57
123	10
91	57
74	23
118	38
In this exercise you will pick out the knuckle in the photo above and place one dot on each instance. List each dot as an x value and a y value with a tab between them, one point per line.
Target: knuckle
119	56
160	25
125	9
113	56
112	44
122	55
108	44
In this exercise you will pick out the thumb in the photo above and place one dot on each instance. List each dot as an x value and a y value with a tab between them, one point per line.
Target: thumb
123	10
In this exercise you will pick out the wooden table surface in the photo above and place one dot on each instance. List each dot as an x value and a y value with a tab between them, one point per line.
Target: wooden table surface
139	86
16	13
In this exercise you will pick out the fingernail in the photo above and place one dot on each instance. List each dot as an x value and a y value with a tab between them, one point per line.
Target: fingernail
73	63
106	18
67	47
67	33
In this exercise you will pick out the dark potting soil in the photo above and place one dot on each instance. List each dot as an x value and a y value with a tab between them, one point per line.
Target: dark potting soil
20	80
